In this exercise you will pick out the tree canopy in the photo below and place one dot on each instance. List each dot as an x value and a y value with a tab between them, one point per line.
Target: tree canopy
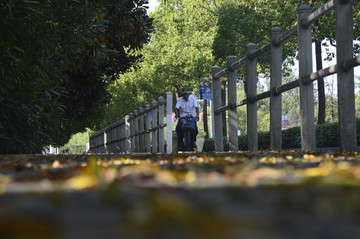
178	55
192	36
56	61
241	22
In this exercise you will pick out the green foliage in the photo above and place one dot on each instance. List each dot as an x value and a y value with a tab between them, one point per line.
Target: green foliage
29	95
191	35
357	104
178	55
77	142
180	50
327	135
209	145
237	27
103	44
325	27
54	59
264	114
291	138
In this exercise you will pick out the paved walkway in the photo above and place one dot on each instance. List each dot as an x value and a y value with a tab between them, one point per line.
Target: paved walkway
228	195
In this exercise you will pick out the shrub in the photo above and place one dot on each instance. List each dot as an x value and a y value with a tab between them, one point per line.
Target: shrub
264	140
327	135
209	145
291	138
242	141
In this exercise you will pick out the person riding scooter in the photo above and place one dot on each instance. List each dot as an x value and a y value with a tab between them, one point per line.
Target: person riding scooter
186	106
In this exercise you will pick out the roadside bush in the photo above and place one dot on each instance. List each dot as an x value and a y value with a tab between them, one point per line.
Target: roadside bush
291	138
327	135
209	145
242	141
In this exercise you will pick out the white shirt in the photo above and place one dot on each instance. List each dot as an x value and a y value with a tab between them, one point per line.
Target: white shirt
187	108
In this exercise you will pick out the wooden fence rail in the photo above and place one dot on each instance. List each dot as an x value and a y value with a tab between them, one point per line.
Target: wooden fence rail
303	30
140	131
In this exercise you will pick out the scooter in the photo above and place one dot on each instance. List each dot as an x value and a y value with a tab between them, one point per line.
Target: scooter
189	123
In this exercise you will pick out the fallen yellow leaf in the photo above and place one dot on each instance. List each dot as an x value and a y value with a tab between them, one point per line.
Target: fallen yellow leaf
81	182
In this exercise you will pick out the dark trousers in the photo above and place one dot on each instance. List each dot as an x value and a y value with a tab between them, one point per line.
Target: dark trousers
180	132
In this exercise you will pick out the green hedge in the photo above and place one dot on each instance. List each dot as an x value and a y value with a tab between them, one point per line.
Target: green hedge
327	135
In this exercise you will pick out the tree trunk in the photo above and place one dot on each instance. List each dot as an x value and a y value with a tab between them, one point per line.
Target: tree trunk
321	87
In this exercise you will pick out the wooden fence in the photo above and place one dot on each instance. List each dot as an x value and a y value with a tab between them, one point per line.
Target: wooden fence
143	130
303	30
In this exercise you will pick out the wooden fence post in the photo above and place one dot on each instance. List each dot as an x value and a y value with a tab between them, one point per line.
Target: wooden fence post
95	140
122	136
110	138
169	112
147	128
113	138
217	118
251	81
91	143
107	134
141	130
308	142
232	98
136	130
100	142
154	127
161	124
223	102
275	99
116	136
345	78
127	144
96	144
105	141
132	132
119	145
